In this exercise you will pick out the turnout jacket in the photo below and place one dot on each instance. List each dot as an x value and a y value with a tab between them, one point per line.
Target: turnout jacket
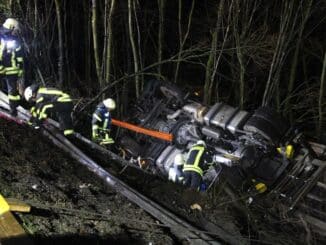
48	99
52	100
11	55
101	118
198	160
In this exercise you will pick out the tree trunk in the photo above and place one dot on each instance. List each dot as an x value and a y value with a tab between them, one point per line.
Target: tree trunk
288	26
87	50
211	61
60	41
95	43
295	62
321	101
182	40
161	8
109	44
239	52
133	46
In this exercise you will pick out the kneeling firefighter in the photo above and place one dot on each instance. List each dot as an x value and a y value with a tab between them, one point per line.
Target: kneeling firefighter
101	122
197	161
50	100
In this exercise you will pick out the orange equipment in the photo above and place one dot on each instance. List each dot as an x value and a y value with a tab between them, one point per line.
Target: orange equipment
153	133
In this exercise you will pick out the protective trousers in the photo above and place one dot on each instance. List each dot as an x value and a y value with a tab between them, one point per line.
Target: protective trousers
192	179
63	111
13	94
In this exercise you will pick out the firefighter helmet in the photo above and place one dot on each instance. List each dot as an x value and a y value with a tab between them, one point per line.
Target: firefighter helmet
178	160
30	91
201	142
11	24
109	103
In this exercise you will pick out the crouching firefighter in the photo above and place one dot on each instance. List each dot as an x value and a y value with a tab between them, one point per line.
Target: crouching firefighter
50	100
101	122
198	160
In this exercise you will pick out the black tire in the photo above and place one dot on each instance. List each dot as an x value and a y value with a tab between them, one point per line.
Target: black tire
274	118
171	91
264	128
130	146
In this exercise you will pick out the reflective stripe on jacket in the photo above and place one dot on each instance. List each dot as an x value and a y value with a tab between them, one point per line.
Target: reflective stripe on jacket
194	158
101	118
46	99
11	56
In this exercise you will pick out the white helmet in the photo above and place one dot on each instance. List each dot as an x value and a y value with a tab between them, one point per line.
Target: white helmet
28	93
178	160
201	142
109	103
11	24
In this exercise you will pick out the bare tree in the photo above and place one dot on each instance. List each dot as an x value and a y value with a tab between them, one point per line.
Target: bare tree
287	30
95	42
108	60
161	8
293	71
133	46
183	39
211	65
60	41
321	100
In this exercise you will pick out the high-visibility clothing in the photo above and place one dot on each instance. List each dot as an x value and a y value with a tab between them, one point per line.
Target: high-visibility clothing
101	122
198	160
11	56
11	66
50	100
193	162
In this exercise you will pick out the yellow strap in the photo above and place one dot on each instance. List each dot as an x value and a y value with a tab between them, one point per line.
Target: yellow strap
4	206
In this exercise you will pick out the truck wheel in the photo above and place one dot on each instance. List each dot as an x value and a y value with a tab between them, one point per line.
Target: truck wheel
131	147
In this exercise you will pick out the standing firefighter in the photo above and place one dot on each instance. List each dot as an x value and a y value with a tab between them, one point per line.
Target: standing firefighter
101	122
50	100
11	61
198	160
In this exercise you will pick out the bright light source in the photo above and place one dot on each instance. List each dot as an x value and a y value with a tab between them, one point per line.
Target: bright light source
11	44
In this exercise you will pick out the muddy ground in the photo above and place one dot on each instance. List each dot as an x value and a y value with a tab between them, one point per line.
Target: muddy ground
71	205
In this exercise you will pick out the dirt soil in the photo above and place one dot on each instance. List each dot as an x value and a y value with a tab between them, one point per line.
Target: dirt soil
69	204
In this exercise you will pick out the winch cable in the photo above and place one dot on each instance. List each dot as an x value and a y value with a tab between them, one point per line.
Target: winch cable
150	132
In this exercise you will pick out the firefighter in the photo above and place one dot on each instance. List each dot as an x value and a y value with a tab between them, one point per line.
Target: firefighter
101	122
11	61
50	100
198	160
175	171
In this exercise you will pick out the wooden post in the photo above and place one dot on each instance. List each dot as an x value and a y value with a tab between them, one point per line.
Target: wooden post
10	230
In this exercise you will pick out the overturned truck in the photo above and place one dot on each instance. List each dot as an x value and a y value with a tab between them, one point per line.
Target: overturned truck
255	152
